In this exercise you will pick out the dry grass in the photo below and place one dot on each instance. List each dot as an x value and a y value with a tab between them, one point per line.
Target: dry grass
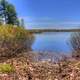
14	40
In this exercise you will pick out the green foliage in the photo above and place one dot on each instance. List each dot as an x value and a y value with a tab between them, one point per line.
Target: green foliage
6	68
11	14
8	12
14	40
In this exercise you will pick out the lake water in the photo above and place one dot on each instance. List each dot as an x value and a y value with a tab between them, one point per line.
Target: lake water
53	42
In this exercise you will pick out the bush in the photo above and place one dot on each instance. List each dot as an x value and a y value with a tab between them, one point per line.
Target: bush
6	68
75	42
14	40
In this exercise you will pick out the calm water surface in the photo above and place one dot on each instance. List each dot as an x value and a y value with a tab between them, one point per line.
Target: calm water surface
54	42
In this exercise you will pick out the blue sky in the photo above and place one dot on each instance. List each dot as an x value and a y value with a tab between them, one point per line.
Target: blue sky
48	13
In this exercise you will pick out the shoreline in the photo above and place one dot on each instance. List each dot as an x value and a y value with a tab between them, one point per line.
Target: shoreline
27	69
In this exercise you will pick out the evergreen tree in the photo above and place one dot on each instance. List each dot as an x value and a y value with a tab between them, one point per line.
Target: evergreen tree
22	23
8	13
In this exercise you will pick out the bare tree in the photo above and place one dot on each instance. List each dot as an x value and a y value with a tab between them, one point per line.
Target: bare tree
75	42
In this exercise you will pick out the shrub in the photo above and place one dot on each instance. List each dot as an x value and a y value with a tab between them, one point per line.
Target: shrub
75	42
14	40
6	68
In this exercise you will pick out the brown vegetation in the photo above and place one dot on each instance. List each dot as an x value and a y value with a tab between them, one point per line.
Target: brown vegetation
26	68
14	40
19	64
75	42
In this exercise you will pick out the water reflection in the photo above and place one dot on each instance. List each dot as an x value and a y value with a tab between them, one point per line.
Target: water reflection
55	42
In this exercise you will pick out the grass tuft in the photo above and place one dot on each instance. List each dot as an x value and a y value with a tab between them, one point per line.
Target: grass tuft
6	68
